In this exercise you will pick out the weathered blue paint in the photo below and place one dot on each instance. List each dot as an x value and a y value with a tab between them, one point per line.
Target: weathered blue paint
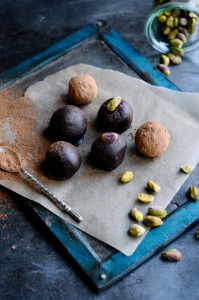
71	239
117	265
64	46
135	60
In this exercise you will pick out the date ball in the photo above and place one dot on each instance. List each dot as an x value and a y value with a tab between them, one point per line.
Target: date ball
68	124
115	115
62	161
152	139
82	89
108	151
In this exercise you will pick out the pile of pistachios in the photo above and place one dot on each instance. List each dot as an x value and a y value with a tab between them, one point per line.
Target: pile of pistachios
176	25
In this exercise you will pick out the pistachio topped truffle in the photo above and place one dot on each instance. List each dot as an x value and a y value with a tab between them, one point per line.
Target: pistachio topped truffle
115	115
82	89
152	139
108	151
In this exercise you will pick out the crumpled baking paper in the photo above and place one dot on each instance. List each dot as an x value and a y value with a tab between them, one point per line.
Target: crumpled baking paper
97	195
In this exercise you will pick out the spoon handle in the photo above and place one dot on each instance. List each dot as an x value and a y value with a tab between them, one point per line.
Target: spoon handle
42	188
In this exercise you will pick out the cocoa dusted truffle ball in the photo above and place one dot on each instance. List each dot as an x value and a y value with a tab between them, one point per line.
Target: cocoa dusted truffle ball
108	151
68	124
82	89
115	115
152	139
62	161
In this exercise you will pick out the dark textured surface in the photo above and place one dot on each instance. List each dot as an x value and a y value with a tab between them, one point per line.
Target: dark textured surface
32	263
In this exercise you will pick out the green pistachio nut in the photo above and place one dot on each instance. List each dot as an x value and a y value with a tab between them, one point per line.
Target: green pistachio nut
183	30
174	59
165	60
162	19
164	69
152	221
171	255
136	214
176	12
145	198
157	211
186	169
153	186
197	233
114	103
177	51
176	43
172	35
170	22
109	137
194	192
166	30
191	25
126	176
181	36
176	21
136	230
167	13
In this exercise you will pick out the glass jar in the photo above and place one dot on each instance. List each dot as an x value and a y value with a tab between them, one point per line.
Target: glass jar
155	30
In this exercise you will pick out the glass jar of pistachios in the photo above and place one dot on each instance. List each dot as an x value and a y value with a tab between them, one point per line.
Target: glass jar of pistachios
173	26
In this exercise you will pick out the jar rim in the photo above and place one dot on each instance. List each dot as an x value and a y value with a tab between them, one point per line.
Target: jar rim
161	46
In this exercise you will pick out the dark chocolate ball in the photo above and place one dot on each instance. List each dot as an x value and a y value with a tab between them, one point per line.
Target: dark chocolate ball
115	115
68	124
108	151
62	161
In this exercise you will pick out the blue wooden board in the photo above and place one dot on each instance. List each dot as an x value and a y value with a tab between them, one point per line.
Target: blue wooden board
104	272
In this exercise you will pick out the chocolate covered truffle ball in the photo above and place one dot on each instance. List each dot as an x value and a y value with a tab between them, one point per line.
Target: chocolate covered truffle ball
82	89
62	161
152	139
115	115
108	151
68	124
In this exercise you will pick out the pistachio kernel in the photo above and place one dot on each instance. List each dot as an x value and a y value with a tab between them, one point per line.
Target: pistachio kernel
170	21
166	30
171	255
194	192
186	169
197	233
114	103
145	198
183	30
174	59
167	13
176	43
177	51
172	35
162	19
191	25
181	36
126	176
165	60
109	137
164	69
152	221
153	186
136	214
136	230
157	211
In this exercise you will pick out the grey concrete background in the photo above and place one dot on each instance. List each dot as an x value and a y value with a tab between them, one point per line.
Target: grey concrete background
32	263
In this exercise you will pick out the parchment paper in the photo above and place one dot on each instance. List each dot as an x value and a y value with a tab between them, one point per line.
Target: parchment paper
97	195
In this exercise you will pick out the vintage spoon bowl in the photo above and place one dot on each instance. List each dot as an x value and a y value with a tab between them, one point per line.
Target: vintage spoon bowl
10	162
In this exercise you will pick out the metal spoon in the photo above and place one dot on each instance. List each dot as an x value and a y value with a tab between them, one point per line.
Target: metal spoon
10	162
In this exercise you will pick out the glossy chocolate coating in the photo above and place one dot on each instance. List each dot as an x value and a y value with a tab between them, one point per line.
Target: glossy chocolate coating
108	154
62	161
118	120
68	124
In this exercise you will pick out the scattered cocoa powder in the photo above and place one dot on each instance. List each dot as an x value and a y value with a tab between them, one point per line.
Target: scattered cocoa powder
21	136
